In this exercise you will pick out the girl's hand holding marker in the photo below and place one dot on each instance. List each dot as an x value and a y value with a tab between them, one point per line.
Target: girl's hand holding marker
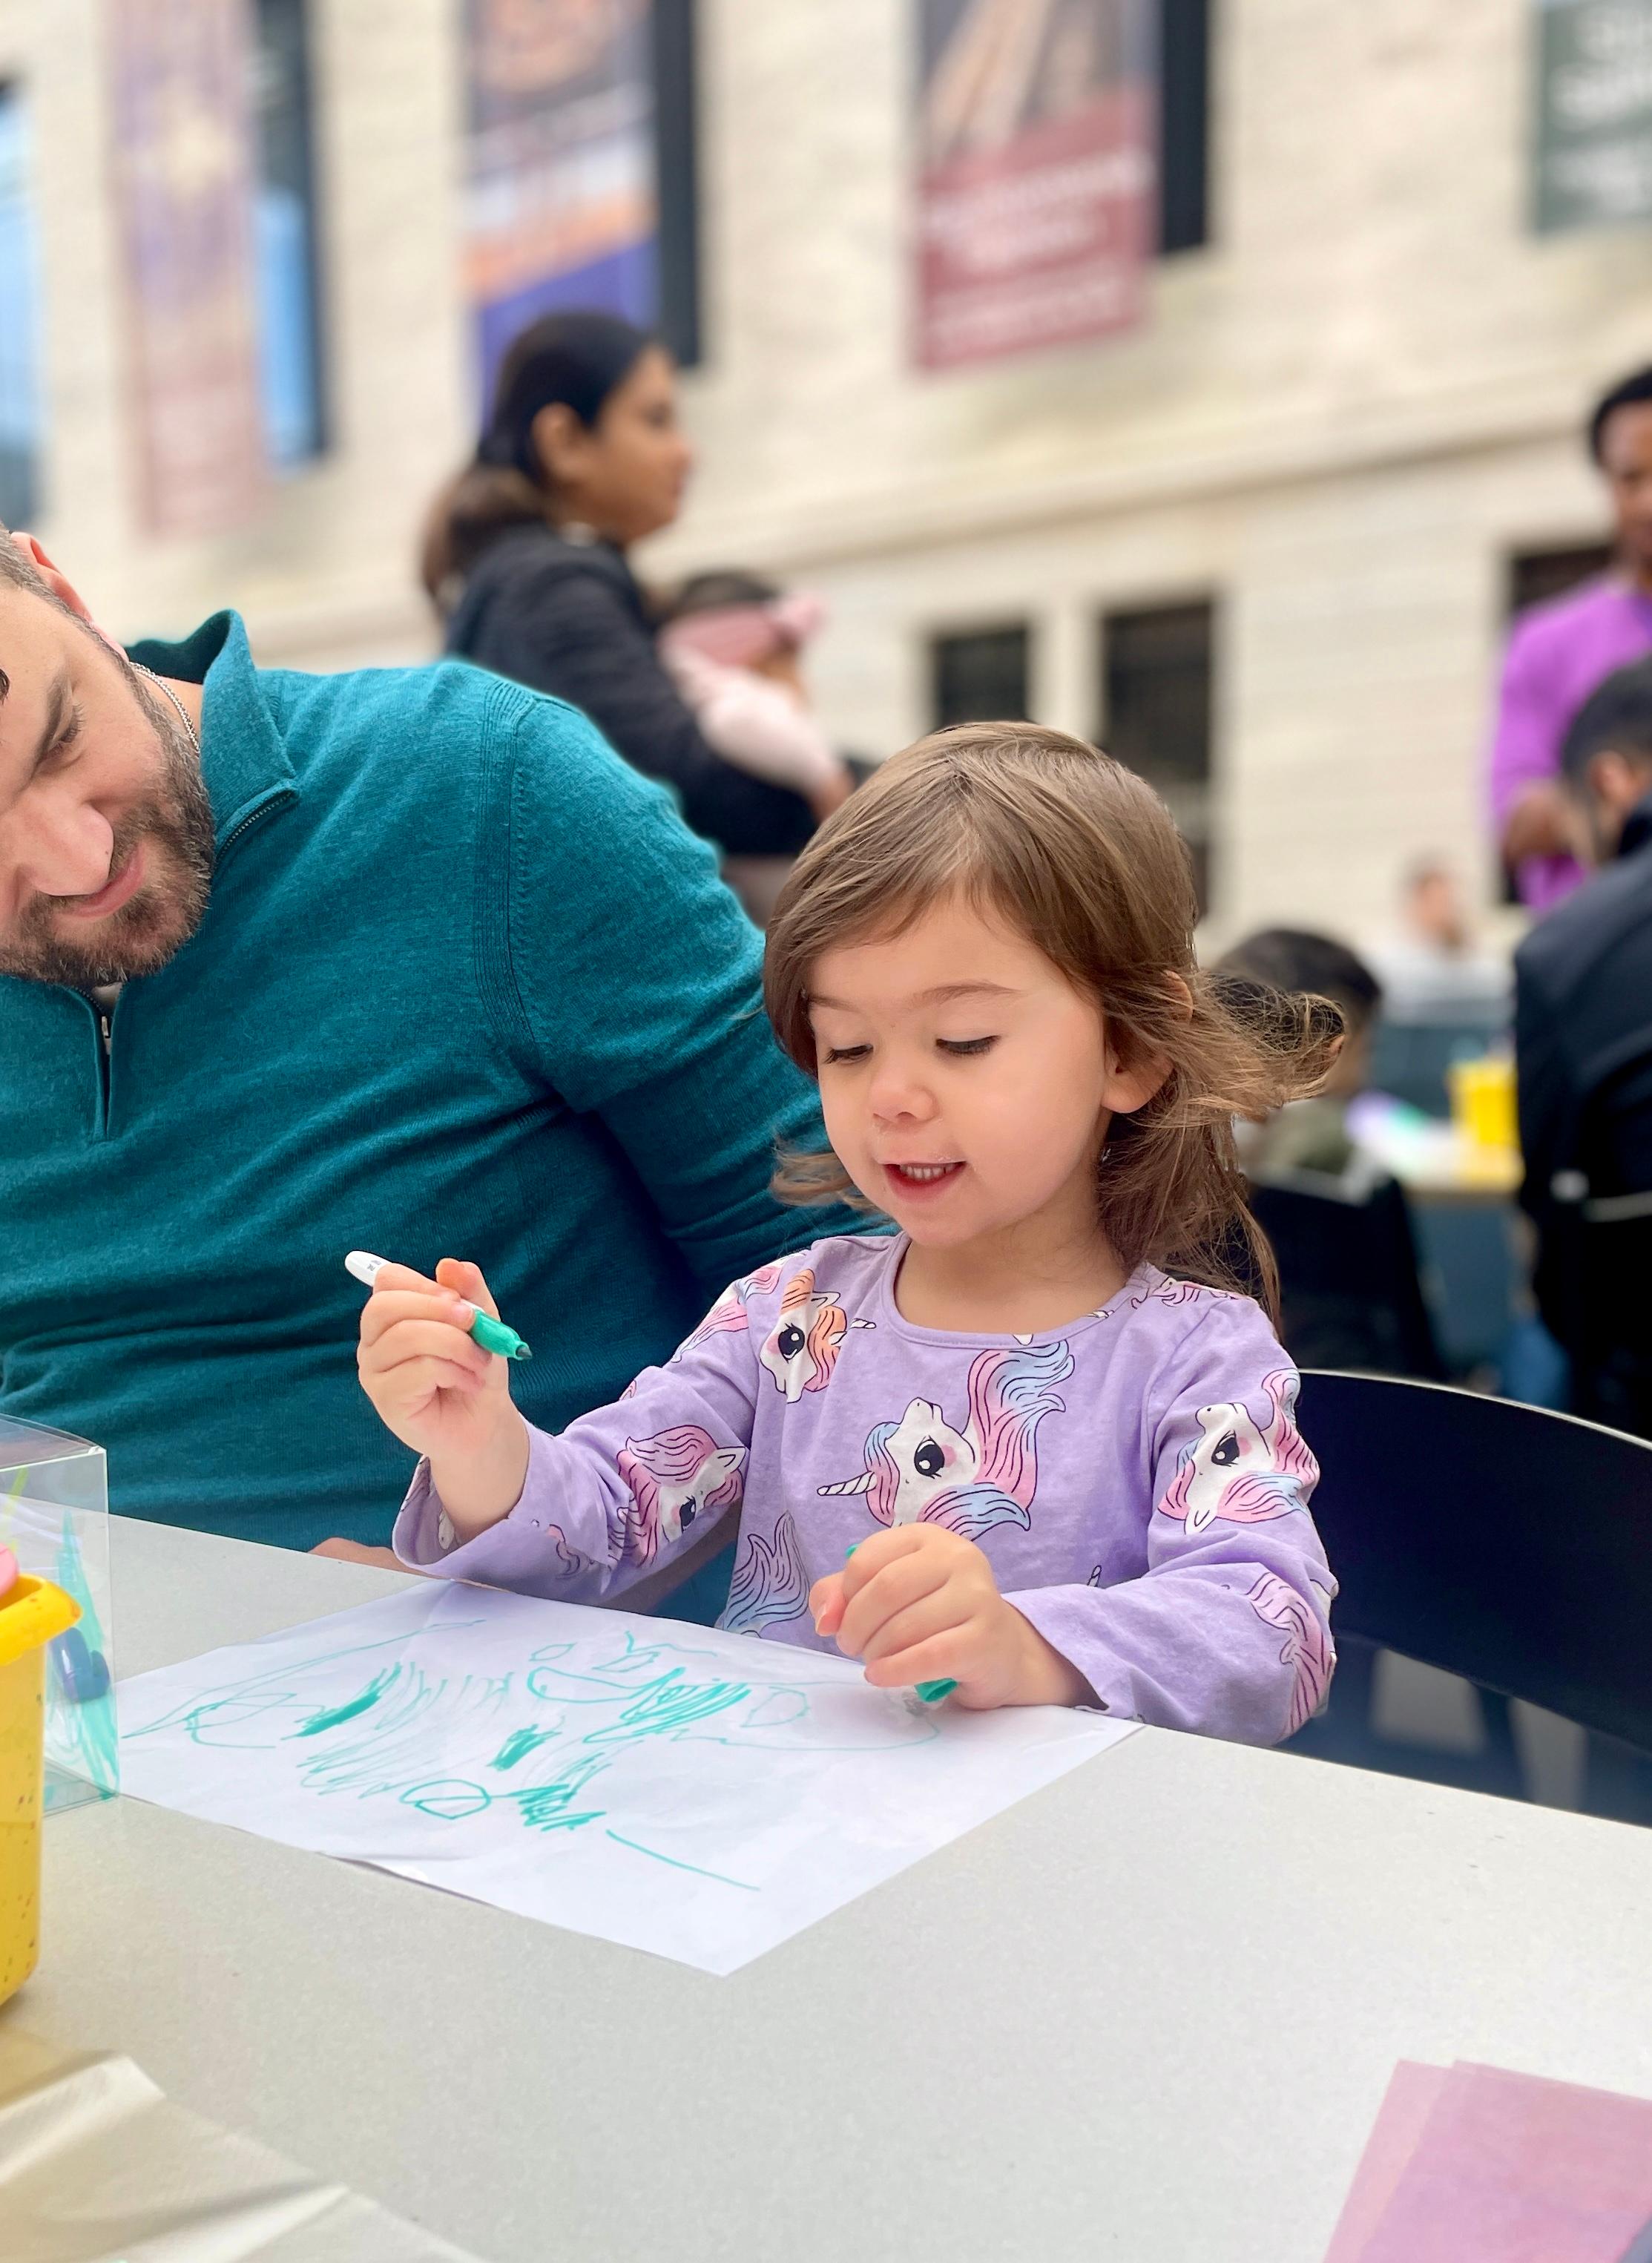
435	1387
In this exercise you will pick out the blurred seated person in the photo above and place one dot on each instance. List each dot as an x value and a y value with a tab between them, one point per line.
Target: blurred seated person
733	644
1430	971
1349	1292
1583	1027
527	557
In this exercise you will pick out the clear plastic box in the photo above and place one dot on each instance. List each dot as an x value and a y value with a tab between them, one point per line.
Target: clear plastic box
55	1518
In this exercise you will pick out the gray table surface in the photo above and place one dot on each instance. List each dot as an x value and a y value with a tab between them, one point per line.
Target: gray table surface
1147	2013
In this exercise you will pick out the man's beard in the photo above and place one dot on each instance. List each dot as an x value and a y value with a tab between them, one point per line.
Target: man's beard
174	824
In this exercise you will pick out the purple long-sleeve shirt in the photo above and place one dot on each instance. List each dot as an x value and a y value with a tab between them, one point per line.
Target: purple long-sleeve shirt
1135	1479
1558	652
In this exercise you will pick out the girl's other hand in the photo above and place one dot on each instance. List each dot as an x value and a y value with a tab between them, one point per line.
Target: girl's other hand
918	1603
436	1390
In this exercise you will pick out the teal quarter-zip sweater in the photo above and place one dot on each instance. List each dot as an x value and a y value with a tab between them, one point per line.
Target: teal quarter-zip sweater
466	986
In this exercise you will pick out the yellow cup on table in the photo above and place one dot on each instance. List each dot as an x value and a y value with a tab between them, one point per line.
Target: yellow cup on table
1482	1102
33	1613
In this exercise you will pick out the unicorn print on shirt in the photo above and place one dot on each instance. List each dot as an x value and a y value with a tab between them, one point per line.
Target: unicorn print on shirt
729	1316
769	1585
922	1470
1241	1472
1306	1647
800	1350
672	1478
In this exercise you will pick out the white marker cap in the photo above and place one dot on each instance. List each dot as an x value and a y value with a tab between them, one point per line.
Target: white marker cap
365	1266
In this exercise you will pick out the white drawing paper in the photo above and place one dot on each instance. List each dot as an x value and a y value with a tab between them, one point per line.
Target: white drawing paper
704	1795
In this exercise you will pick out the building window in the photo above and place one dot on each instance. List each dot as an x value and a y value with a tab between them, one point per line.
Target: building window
676	177
290	356
1184	123
980	677
19	319
1536	576
1157	677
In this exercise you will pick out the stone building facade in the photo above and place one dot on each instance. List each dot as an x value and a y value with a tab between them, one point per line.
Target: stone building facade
1346	414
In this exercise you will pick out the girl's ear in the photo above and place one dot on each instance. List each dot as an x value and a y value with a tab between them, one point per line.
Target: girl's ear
1129	1089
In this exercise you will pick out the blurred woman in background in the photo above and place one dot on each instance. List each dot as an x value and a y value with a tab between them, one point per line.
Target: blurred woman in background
525	555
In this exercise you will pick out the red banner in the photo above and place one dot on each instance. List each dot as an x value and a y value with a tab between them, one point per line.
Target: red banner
183	138
1037	193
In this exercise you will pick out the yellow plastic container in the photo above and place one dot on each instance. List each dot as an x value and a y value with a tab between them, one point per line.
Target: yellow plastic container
1482	1102
32	1613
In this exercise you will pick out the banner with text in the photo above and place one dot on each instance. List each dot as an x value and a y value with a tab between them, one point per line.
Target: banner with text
561	196
182	172
1592	156
1037	133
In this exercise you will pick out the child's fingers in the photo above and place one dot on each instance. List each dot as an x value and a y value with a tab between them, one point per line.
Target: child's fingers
409	1340
869	1556
913	1574
402	1277
466	1281
827	1603
413	1384
391	1308
940	1658
936	1613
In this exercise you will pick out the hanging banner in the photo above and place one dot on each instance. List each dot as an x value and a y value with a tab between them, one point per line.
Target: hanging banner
1038	171
182	173
1593	159
561	202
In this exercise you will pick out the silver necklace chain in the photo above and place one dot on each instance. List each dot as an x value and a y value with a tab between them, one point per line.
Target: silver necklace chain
160	685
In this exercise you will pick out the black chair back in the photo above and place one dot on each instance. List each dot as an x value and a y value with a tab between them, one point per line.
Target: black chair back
1349	1292
1500	1542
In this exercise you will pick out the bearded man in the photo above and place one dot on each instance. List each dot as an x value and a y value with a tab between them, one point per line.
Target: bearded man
401	959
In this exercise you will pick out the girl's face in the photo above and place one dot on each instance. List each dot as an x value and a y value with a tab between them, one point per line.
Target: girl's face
967	1084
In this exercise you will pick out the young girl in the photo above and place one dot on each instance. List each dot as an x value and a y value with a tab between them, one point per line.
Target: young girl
1068	1474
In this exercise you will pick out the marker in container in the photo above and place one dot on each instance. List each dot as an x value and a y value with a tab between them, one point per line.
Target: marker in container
930	1692
492	1334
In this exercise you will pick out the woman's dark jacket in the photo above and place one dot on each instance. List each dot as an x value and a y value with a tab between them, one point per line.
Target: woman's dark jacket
568	617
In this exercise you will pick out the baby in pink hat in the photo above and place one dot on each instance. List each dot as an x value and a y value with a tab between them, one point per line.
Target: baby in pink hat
731	643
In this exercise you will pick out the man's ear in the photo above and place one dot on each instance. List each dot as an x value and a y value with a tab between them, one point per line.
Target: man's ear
58	583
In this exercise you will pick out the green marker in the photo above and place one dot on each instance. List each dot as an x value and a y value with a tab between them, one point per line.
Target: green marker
931	1692
492	1334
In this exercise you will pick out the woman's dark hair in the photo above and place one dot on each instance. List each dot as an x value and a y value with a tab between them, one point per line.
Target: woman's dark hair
576	359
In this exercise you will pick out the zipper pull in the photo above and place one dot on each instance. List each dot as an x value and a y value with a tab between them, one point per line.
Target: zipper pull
103	1024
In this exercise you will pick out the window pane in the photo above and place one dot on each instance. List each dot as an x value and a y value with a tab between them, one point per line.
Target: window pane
19	319
290	355
1184	123
1158	674
1537	575
980	677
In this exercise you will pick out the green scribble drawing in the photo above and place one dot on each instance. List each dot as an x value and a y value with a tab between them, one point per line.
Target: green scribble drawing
545	1745
333	1716
518	1745
637	1847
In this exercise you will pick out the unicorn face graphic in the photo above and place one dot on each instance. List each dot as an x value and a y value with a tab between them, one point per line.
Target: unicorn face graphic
672	1478
800	1350
926	1457
921	1470
1239	1472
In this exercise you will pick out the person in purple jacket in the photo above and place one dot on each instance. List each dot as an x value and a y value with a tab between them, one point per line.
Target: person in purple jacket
1056	1438
1560	651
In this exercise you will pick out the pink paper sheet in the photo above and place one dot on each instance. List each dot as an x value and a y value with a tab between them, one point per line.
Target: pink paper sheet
1504	2168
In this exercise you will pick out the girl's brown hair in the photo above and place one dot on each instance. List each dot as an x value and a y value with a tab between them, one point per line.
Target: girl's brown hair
1082	856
